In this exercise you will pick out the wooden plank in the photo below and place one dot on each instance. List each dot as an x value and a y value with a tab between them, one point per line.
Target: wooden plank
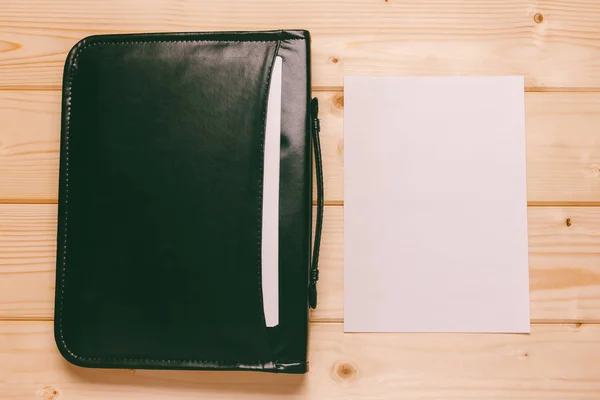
564	268
553	362
564	263
553	43
29	145
563	146
27	260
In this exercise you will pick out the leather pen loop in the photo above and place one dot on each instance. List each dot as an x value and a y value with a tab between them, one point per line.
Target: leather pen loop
314	268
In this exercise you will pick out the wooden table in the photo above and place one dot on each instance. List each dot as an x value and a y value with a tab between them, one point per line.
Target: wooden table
555	44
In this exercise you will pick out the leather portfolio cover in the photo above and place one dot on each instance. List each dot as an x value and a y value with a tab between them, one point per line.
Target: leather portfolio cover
160	202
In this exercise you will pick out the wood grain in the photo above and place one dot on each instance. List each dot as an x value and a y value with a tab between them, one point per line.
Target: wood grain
553	43
29	145
563	146
27	260
564	246
564	268
553	362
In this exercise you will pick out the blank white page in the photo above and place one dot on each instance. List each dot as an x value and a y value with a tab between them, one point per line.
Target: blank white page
435	205
270	211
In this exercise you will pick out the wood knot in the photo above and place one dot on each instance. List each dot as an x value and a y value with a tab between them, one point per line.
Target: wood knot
577	325
48	393
334	60
538	18
344	371
568	222
338	100
594	170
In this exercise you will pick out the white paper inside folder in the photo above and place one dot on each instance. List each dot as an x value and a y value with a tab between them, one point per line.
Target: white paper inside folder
270	210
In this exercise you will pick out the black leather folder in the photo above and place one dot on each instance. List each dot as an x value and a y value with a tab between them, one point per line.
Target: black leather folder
160	196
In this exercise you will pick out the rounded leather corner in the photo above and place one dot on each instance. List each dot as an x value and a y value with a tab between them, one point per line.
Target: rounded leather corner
66	352
72	54
306	34
75	53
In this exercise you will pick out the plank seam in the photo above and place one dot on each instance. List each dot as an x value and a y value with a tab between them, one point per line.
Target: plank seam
334	89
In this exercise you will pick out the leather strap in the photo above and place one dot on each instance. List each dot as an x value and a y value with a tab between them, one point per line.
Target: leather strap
314	268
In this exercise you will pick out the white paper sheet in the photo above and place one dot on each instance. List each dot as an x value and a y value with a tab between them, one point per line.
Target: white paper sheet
270	219
435	205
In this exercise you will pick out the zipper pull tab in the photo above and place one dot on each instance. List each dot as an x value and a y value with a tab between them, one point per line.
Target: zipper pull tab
314	112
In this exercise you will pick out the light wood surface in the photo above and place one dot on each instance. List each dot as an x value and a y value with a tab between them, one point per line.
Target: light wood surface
555	44
564	244
563	146
552	43
553	362
29	146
